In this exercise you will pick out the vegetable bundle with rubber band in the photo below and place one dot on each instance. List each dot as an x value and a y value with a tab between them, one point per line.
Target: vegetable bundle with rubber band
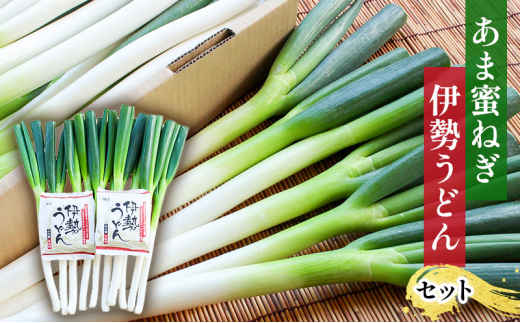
44	168
306	74
148	152
98	152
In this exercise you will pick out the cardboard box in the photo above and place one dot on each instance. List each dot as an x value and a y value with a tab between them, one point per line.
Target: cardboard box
192	90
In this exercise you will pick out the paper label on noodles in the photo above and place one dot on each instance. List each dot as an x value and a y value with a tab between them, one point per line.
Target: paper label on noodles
123	222
66	226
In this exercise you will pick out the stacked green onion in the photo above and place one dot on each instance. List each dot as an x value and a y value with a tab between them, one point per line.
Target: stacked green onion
392	254
41	166
96	153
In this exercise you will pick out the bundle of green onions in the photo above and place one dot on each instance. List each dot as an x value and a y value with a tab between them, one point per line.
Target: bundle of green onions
294	126
45	170
371	148
148	152
98	152
331	185
294	158
38	173
336	183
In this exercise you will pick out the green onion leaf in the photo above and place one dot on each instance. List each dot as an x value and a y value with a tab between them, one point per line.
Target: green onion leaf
36	128
50	155
92	150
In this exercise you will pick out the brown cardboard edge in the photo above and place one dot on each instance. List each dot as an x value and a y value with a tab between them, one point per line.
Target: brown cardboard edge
204	48
18	212
164	98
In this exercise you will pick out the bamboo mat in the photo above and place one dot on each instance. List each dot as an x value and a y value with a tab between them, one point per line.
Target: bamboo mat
431	23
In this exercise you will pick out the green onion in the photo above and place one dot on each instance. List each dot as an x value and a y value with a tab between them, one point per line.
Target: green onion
391	255
33	18
55	33
124	90
124	61
281	91
145	128
36	168
8	162
6	142
513	102
75	157
391	19
358	213
352	99
15	105
3	3
338	182
64	56
106	134
121	143
513	147
91	155
347	103
166	165
13	8
178	10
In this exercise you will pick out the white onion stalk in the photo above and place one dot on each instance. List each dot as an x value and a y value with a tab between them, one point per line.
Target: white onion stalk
26	298
59	59
107	271
63	287
33	18
73	283
28	267
13	8
123	91
154	72
3	3
55	33
95	281
135	54
84	285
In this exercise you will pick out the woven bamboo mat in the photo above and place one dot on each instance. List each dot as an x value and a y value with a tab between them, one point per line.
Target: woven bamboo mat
431	23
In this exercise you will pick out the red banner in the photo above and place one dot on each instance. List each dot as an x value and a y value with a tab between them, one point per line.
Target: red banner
142	224
444	166
84	224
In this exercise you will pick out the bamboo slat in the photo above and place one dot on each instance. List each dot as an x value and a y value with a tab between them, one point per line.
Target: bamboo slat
430	23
